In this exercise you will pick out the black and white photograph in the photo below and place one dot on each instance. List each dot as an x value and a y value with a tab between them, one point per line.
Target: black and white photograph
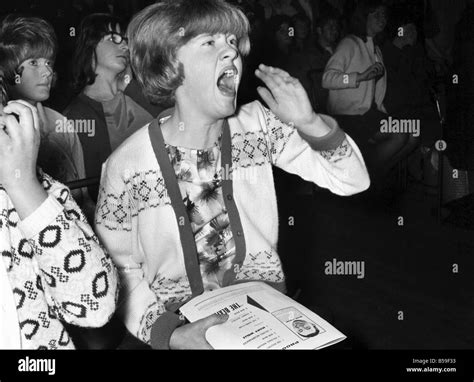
239	176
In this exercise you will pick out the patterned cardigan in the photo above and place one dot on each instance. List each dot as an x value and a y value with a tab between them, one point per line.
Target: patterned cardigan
56	268
138	226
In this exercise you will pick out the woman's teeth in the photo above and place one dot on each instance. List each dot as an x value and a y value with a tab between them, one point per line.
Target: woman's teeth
227	82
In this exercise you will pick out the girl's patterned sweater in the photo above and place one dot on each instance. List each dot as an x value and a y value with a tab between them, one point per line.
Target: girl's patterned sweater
57	270
138	226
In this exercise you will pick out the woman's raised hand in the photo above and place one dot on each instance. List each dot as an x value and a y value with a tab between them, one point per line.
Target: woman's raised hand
19	144
286	97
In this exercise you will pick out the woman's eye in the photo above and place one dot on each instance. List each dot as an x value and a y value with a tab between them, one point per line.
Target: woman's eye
234	42
33	62
209	43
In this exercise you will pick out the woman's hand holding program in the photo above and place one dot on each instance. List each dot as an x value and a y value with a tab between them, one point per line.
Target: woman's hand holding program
288	100
193	336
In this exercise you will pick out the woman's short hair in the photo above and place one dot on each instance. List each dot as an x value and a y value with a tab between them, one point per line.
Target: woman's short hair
91	30
157	32
22	38
358	21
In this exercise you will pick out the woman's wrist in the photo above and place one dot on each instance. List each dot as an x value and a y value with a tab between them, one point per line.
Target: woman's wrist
26	195
313	127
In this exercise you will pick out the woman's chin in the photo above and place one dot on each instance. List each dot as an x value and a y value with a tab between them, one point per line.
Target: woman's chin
228	108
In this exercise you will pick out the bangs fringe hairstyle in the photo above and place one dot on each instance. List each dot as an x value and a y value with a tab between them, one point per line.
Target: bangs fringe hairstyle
91	30
156	33
23	38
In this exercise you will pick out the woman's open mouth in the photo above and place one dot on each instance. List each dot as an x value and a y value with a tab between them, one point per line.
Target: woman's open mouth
227	81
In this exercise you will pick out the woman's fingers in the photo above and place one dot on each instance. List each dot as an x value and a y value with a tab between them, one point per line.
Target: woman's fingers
26	114
274	70
267	97
12	127
35	111
272	81
4	138
279	75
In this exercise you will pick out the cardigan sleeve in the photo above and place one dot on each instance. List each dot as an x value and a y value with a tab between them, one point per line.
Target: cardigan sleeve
333	161
335	75
144	315
77	276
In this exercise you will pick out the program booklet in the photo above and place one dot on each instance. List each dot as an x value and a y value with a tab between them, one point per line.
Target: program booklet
260	317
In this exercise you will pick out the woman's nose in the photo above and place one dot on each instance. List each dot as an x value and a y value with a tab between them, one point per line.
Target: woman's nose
230	52
47	71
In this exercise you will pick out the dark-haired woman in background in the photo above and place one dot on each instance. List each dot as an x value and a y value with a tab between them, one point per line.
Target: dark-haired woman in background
109	98
356	79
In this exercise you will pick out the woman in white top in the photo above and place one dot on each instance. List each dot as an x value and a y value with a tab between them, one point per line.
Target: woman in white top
356	78
176	224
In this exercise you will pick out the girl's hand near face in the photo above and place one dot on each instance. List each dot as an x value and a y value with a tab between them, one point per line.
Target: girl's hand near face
288	100
19	145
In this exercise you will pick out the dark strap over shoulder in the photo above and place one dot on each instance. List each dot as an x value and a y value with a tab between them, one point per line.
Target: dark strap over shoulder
185	231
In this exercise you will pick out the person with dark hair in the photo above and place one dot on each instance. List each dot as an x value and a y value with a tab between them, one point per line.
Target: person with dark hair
357	82
53	270
280	39
355	73
27	53
407	74
109	99
303	38
188	203
328	30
